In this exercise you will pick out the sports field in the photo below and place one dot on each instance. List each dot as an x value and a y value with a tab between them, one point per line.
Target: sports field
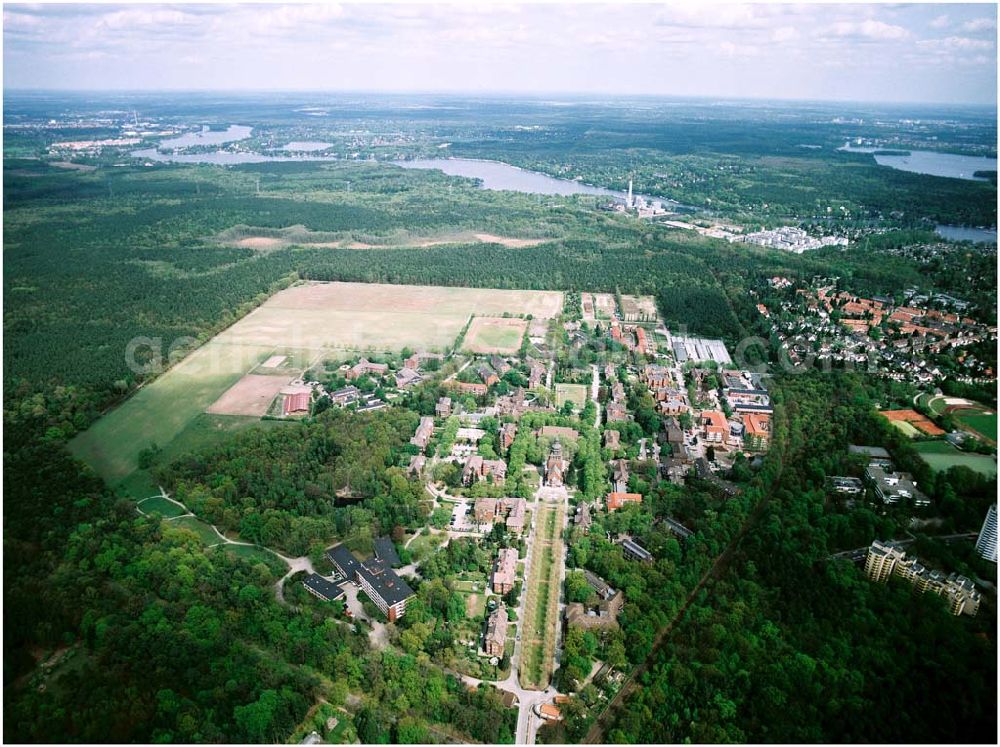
912	423
941	455
575	393
494	335
981	422
541	604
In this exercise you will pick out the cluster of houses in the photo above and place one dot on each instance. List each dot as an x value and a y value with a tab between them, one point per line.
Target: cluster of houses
885	560
633	337
900	340
511	511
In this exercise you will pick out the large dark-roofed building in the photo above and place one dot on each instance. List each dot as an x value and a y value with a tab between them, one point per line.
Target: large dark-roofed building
344	561
386	552
385	588
322	588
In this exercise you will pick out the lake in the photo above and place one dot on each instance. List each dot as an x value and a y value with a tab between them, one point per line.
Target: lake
964	233
208	137
932	162
499	175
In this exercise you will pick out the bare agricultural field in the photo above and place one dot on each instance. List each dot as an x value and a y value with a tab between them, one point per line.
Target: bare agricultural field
495	335
636	306
604	305
379	316
251	395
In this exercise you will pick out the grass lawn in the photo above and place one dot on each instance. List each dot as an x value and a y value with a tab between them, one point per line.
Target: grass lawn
475	604
424	545
983	424
539	628
160	411
489	335
941	455
205	533
575	393
160	505
908	430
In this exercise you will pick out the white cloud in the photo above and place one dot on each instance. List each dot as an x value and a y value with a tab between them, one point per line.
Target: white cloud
940	22
979	24
729	49
784	34
869	29
956	44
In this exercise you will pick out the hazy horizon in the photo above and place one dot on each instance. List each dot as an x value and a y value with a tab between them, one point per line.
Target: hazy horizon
875	53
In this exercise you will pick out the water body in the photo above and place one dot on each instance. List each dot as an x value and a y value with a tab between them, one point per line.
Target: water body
208	137
306	145
933	163
964	233
503	176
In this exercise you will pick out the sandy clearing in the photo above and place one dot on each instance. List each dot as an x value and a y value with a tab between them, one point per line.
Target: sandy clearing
490	238
274	361
251	395
260	242
301	238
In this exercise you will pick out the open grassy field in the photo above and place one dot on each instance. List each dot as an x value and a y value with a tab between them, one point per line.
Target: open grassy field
541	618
983	423
494	335
941	455
378	316
158	412
575	393
160	505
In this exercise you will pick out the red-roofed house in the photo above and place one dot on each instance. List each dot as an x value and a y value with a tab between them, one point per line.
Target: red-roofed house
758	430
617	500
716	426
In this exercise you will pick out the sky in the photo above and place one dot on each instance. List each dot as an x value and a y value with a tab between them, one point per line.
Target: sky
862	52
